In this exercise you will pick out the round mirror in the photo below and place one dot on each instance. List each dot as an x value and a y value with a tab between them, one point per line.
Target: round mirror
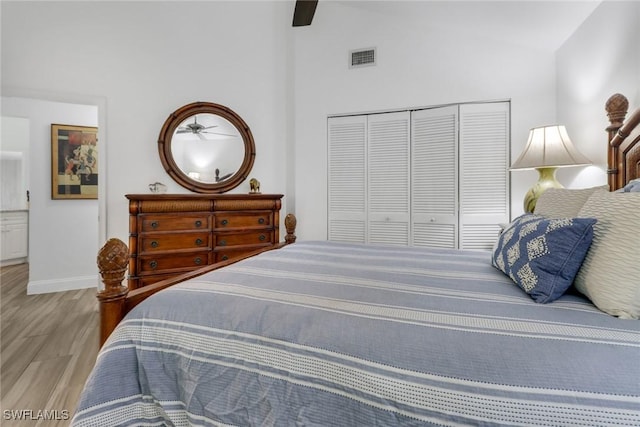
206	147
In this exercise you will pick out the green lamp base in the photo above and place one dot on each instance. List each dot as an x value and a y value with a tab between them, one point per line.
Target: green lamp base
546	180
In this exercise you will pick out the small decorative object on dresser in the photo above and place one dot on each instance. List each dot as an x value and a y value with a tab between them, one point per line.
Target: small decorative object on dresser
254	186
158	188
170	234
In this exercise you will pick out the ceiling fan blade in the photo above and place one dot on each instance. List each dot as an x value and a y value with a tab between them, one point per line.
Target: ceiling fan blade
303	12
209	127
218	133
201	136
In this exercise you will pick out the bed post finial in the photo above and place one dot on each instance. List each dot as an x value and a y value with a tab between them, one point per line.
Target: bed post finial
290	223
113	260
617	106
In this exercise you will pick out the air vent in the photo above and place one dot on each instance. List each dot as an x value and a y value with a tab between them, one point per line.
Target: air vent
362	58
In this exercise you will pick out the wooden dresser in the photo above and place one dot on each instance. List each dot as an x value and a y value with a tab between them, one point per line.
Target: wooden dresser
170	234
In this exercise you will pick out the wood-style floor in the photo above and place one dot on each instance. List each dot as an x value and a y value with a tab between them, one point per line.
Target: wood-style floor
48	345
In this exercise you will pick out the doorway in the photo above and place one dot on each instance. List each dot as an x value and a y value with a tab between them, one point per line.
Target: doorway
64	235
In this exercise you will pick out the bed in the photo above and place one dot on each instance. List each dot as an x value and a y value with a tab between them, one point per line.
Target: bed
337	334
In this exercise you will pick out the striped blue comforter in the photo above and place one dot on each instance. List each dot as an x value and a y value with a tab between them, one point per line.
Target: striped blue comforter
327	334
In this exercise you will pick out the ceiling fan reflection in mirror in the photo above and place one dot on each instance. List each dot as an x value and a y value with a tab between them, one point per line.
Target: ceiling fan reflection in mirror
198	129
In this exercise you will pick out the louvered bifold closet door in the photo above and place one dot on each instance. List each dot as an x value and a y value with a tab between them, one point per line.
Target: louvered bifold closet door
484	179
388	200
434	176
347	178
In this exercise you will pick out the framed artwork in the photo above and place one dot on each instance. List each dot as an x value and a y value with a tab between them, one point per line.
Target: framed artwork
74	162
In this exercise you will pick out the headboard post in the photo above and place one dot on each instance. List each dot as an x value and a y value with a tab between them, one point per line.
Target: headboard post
616	107
113	260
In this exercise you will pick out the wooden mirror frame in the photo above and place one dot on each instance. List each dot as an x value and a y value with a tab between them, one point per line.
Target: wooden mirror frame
169	163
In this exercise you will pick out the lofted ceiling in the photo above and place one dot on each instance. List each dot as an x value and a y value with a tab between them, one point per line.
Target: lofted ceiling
541	24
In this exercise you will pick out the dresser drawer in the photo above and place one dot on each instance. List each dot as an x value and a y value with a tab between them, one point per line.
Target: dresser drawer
170	242
173	222
244	219
249	238
173	262
231	253
148	280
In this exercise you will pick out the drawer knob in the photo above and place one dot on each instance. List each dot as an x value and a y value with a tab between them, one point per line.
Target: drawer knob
199	242
198	261
261	221
224	222
198	223
154	244
153	264
155	224
262	237
224	257
222	243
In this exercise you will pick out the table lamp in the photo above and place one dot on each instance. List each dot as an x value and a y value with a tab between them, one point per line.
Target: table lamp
547	149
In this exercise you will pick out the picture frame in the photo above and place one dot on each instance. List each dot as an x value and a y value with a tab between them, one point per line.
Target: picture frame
74	162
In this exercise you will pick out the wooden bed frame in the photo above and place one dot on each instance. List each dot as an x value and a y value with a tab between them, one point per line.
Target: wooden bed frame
116	300
623	157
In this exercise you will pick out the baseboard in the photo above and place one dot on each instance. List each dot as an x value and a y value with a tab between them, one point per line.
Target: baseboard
16	261
60	285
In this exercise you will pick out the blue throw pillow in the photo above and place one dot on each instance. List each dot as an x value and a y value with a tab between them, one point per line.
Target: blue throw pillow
632	187
542	256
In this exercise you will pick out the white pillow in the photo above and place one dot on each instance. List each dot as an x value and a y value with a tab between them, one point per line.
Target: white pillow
564	202
610	273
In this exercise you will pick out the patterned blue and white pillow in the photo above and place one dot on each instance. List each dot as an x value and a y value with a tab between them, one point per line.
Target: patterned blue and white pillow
542	256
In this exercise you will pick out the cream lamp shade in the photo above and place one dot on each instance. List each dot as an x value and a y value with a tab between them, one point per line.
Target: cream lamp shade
547	149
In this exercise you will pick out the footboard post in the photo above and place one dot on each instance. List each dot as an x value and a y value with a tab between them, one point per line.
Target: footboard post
290	223
113	260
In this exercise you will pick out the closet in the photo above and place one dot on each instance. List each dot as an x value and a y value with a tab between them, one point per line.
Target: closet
433	177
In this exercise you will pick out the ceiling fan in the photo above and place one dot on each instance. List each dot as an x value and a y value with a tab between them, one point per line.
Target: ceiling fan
198	129
303	12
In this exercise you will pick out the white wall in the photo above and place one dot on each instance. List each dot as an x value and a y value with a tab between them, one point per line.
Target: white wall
146	59
63	234
418	65
601	58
